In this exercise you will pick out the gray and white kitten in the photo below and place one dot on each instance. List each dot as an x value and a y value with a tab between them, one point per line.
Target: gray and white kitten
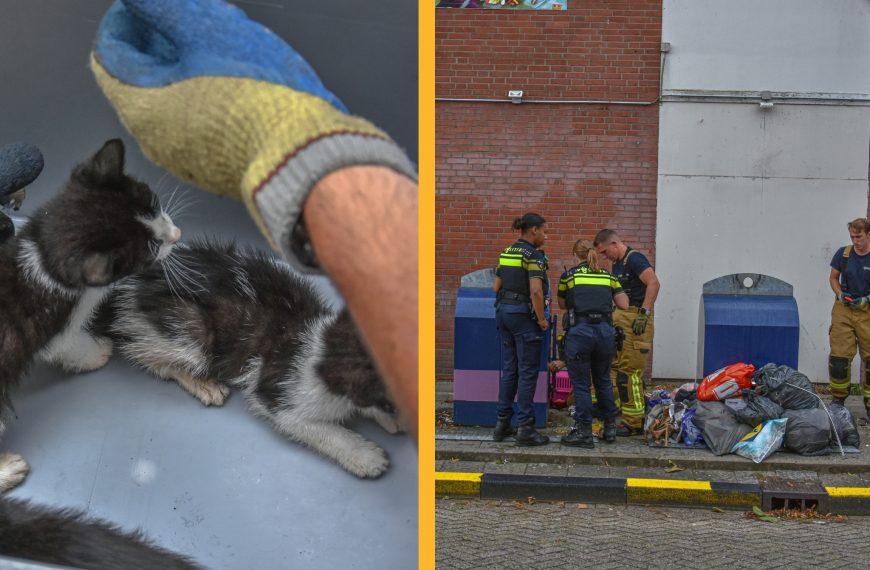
103	226
222	318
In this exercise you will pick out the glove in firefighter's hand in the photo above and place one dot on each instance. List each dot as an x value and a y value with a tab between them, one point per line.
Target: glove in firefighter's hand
638	326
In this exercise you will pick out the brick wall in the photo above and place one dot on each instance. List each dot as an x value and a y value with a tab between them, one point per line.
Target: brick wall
582	167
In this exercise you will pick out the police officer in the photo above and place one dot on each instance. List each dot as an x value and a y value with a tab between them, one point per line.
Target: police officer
639	281
588	294
850	317
521	287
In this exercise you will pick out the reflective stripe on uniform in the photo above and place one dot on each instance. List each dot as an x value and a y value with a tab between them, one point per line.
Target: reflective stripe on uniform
591	279
510	260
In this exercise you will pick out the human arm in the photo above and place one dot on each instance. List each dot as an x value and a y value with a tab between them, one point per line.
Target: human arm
562	303
385	314
834	281
651	281
536	290
496	285
621	300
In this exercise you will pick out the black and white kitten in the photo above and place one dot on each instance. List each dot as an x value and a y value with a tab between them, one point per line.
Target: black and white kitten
103	226
225	317
68	537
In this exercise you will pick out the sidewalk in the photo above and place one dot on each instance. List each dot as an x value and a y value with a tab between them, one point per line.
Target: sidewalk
469	463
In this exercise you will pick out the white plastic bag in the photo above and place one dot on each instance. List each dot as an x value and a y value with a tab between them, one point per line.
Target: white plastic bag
758	444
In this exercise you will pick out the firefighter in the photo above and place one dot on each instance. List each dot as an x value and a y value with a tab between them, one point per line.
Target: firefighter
639	281
588	293
521	288
850	316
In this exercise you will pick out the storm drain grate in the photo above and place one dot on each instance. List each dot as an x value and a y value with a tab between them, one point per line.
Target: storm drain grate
778	493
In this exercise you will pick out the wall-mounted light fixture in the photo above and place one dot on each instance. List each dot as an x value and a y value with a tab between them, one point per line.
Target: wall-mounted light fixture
766	100
515	96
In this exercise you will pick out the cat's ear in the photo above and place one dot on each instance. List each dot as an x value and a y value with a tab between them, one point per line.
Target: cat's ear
97	269
107	166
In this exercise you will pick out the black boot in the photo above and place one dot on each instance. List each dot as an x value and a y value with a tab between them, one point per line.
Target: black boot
580	436
503	429
609	433
528	436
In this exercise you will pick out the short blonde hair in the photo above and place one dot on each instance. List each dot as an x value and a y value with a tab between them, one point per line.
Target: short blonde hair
859	225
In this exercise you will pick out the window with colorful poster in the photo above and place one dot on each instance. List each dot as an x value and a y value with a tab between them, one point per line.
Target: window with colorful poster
505	4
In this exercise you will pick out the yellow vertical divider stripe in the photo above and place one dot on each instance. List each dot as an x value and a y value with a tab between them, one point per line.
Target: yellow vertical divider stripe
426	284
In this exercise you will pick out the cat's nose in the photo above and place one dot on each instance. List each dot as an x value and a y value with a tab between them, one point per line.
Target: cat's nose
174	235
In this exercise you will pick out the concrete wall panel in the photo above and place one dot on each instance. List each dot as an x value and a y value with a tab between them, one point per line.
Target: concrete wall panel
713	226
790	141
777	45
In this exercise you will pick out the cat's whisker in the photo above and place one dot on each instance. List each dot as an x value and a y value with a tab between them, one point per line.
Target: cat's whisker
184	280
160	181
176	209
172	197
187	268
166	273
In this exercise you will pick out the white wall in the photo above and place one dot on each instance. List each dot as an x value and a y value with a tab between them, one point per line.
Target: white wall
741	189
777	45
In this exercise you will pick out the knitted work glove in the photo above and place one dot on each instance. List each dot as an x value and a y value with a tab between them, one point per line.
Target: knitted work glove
221	101
638	325
843	299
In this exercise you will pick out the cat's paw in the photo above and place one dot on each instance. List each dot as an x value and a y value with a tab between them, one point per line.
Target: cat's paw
390	424
89	354
13	470
209	392
366	460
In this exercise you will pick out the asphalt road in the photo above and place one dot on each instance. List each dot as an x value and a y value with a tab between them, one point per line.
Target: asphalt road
476	534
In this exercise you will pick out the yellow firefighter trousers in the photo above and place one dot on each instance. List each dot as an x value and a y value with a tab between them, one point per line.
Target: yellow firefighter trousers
626	373
850	332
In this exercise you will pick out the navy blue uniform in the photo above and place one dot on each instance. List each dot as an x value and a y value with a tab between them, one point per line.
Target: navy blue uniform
589	344
521	337
628	270
854	273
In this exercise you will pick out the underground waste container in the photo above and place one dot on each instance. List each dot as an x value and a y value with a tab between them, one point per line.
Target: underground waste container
477	356
747	317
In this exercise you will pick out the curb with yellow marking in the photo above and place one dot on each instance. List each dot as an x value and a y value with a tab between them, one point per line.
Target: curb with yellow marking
849	500
680	492
449	483
607	490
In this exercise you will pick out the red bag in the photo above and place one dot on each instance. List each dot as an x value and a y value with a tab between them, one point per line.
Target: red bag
726	382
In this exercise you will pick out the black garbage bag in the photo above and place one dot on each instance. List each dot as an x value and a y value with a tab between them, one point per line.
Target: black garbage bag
758	409
720	428
785	386
844	423
807	432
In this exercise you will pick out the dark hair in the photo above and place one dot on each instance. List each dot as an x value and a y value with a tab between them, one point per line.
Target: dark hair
604	235
529	220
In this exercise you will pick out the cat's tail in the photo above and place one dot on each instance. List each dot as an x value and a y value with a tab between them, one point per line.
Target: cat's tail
65	536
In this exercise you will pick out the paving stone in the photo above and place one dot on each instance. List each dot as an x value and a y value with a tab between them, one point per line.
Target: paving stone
546	469
510	534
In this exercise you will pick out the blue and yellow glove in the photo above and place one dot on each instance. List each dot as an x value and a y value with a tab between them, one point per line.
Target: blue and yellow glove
221	101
